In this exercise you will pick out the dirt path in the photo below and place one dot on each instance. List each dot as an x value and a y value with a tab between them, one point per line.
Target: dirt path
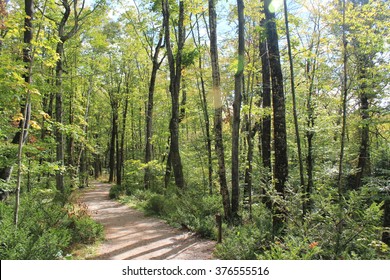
132	235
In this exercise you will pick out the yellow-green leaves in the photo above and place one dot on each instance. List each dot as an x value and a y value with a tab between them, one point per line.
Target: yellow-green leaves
275	5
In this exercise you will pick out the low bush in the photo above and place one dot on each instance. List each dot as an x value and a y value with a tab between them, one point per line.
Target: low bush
86	230
156	205
197	212
116	191
240	243
46	229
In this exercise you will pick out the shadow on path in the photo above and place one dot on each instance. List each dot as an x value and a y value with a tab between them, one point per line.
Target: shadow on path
132	235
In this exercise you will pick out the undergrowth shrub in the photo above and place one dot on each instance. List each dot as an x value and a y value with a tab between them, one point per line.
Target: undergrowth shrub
196	211
291	248
240	243
245	241
116	191
156	205
86	230
46	229
350	229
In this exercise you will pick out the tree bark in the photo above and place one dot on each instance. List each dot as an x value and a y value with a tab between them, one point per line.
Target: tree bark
340	187
238	86
25	122
58	114
279	117
175	68
3	27
364	62
266	120
63	37
310	72
121	156
386	219
149	113
307	205
114	133
295	114
200	82
219	147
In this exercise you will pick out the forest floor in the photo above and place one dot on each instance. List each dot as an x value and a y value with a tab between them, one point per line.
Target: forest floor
129	234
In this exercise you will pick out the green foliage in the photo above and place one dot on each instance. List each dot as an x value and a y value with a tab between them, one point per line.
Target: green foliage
291	248
351	230
245	241
189	56
197	211
135	170
240	243
86	230
46	229
116	191
156	205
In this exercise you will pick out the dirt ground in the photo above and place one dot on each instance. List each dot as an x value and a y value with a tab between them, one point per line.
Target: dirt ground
130	235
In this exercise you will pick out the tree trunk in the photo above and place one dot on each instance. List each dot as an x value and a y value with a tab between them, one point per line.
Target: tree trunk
279	117
363	166
121	156
149	113
307	205
386	219
63	36
238	86
175	68
266	120
295	114
58	113
117	154
219	147
203	101
3	17
24	123
114	133
340	187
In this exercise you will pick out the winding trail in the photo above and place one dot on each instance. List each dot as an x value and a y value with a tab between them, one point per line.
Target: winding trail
129	234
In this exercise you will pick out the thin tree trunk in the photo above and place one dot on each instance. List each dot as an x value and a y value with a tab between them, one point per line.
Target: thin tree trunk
295	114
307	205
122	142
279	118
63	36
219	147
117	154
341	189
24	122
3	26
203	101
238	86
386	219
114	134
149	113
58	113
311	68
82	159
